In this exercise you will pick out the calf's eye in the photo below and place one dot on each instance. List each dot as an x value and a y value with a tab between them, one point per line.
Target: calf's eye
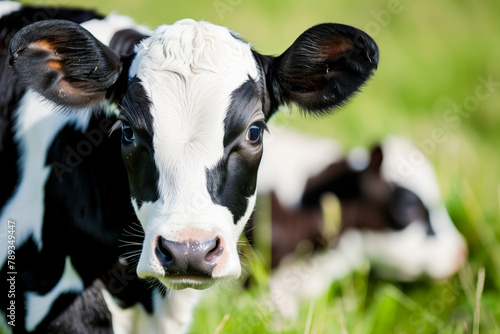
127	133
254	134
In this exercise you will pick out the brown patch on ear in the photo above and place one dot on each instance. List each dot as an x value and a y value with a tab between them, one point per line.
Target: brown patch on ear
334	48
64	63
54	64
43	44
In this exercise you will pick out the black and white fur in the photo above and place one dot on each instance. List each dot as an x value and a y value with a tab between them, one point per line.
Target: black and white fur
192	101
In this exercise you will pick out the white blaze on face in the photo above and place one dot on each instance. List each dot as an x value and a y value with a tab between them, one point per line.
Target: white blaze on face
189	71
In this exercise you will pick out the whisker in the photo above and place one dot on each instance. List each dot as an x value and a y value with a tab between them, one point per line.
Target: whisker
135	251
130	257
129	243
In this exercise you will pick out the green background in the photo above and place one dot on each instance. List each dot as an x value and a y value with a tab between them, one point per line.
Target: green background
434	59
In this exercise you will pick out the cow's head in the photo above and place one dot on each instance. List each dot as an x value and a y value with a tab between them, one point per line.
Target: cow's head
395	204
194	100
420	239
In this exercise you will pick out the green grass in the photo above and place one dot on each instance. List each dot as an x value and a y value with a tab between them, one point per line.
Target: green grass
434	54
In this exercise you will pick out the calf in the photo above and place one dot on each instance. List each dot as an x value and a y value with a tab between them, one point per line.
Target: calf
377	208
167	137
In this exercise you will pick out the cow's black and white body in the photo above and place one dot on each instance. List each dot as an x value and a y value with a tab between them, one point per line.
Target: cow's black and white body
110	127
383	208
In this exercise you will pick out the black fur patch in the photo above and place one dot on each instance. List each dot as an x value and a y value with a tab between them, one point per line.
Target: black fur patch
88	313
380	205
139	156
136	108
405	207
244	102
337	178
234	178
87	198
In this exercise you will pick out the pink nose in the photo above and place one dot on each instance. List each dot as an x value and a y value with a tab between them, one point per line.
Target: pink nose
190	258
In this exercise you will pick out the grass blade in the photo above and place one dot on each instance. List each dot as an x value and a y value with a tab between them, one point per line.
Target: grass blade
479	293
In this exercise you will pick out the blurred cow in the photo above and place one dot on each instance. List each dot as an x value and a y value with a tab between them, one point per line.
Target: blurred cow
373	207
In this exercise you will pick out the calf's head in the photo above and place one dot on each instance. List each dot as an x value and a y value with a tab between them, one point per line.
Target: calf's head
194	100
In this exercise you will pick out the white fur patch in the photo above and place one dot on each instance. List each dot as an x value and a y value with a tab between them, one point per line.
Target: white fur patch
171	314
38	306
143	212
189	71
105	29
8	7
405	165
410	254
36	125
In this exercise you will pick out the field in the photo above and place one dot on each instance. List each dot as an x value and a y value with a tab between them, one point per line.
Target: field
438	83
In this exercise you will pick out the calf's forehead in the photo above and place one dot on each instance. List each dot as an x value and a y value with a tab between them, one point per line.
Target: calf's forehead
189	48
190	71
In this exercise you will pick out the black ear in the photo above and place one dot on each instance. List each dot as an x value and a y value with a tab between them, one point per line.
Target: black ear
322	68
64	62
376	160
124	41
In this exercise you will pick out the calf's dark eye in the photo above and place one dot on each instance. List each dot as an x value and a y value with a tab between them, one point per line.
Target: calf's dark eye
127	133
254	134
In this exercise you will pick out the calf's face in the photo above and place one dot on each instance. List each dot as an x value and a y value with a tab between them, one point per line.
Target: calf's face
198	152
194	101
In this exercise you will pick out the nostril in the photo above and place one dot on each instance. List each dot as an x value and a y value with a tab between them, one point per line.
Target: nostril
162	252
215	252
191	258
